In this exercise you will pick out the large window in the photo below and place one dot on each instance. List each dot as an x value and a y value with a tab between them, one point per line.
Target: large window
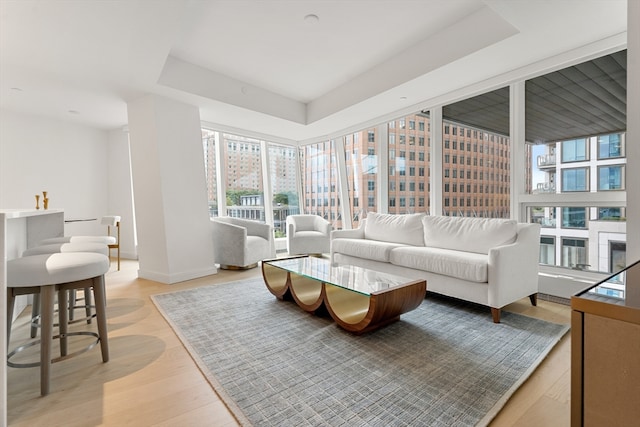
239	160
575	179
209	141
574	217
320	182
574	253
282	176
407	189
574	150
547	250
611	177
362	171
244	194
477	160
585	229
610	146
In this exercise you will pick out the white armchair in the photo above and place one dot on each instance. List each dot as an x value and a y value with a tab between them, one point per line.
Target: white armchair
308	234
241	243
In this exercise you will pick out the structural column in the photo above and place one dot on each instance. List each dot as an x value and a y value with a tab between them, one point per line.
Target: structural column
435	177
175	241
633	130
518	147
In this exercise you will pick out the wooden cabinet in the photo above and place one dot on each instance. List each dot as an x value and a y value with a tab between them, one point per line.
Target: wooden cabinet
605	352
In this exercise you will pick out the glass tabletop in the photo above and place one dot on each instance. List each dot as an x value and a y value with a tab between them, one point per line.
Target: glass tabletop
350	277
622	288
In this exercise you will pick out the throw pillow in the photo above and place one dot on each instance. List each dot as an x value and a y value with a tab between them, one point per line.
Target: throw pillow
406	229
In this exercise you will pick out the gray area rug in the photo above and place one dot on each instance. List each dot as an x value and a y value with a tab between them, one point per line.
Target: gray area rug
444	364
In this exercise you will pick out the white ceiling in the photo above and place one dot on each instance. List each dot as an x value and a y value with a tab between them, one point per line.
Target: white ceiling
260	65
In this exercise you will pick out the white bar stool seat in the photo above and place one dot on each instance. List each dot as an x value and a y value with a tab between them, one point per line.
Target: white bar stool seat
111	221
52	248
107	240
61	272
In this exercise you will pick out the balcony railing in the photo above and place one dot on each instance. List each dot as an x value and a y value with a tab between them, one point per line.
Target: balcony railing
546	161
545	187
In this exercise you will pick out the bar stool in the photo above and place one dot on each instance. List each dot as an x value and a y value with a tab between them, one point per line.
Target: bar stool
47	274
112	241
52	248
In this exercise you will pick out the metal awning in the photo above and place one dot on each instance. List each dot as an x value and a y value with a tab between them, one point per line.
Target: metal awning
583	100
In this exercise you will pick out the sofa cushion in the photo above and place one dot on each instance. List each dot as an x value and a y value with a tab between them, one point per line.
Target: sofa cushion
468	234
462	265
361	248
405	229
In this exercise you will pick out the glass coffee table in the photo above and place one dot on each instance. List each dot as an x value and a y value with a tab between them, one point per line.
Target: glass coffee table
358	299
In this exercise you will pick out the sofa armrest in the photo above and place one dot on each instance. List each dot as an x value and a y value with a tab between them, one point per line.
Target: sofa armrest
357	233
513	268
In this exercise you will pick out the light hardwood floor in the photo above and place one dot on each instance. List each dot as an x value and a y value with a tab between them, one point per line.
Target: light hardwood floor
151	380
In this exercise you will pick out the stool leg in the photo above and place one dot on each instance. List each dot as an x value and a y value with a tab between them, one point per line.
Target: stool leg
47	300
63	320
101	315
87	304
35	312
10	305
72	303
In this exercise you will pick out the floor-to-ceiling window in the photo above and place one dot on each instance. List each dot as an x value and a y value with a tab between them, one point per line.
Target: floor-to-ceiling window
320	189
209	142
476	157
578	164
282	176
574	172
408	174
241	180
243	172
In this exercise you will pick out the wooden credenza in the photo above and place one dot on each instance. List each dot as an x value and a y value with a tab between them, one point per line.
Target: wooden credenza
605	352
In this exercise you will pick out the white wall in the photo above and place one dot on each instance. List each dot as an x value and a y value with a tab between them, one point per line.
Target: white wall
66	160
120	192
83	169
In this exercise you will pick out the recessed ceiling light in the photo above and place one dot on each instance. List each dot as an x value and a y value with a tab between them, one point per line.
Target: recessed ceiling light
403	98
17	89
73	112
311	19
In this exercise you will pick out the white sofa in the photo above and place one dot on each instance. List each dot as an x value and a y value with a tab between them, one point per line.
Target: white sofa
492	262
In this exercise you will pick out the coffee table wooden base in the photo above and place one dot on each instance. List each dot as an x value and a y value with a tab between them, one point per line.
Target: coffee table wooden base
353	311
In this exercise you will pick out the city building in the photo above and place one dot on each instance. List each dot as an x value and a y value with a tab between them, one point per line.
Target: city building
583	237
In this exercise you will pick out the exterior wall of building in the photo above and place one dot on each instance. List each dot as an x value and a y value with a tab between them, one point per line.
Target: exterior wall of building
603	230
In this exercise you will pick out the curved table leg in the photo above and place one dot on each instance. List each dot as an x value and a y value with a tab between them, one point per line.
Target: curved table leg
277	280
306	292
360	313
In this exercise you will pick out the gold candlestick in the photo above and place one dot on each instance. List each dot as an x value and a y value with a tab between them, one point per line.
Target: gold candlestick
45	200
37	201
